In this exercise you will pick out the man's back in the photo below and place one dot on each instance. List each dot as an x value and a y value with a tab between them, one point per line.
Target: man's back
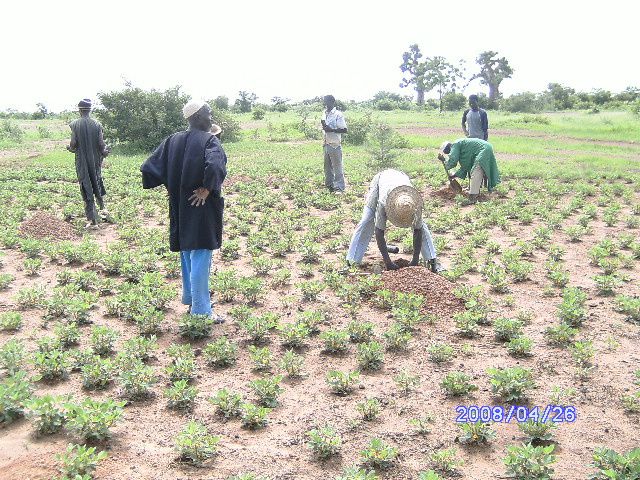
476	123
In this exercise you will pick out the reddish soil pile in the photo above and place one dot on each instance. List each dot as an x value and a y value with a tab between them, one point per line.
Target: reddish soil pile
44	225
447	193
436	290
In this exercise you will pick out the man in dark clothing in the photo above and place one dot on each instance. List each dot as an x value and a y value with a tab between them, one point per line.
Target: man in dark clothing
87	142
475	122
192	166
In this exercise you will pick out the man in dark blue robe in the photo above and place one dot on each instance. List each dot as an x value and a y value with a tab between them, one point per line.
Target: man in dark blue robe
192	166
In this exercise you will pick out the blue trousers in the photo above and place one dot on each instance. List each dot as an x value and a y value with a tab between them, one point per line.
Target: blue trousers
364	232
196	265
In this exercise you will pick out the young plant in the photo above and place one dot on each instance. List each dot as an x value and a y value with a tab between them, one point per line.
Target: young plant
560	334
507	328
92	419
53	364
476	433
343	383
96	373
292	363
422	424
228	403
183	363
294	334
261	357
440	352
103	339
530	462
12	356
136	379
571	311
10	321
536	431
379	454
335	341
406	381
195	327
181	395
221	353
195	444
356	473
456	384
259	326
253	416
48	413
267	390
370	355
324	441
511	383
15	392
445	460
80	461
520	346
360	332
397	338
369	408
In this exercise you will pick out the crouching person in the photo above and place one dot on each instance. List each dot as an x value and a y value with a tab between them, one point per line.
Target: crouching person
392	196
192	166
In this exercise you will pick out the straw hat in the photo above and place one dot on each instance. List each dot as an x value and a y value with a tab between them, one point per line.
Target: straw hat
404	204
216	129
192	107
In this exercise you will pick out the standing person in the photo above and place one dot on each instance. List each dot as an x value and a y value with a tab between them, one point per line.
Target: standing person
192	166
475	123
334	126
391	195
476	160
87	142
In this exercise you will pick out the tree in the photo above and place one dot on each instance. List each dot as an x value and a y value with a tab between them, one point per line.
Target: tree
221	102
280	104
414	70
245	101
492	72
563	97
41	113
441	75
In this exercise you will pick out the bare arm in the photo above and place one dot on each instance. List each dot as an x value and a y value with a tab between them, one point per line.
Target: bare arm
73	143
417	244
382	246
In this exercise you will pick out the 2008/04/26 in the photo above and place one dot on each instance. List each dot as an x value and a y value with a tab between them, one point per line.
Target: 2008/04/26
519	413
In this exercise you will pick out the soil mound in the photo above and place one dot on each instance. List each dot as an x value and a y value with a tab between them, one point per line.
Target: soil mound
44	225
436	290
447	193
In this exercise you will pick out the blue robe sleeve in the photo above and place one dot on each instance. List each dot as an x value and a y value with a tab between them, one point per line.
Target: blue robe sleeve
215	166
154	169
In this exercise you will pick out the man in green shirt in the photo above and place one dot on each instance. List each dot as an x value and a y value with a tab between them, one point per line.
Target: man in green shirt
477	162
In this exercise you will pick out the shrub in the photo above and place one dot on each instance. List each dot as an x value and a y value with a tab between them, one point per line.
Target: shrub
161	109
324	441
529	462
359	129
91	419
382	143
195	444
80	461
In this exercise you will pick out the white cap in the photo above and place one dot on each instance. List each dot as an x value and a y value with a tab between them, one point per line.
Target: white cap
192	107
444	146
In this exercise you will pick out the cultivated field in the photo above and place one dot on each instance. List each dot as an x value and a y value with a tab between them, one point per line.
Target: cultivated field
548	266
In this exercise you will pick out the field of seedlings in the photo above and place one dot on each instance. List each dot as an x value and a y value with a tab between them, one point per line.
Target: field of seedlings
521	360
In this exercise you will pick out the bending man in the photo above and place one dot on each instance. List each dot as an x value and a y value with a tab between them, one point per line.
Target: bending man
391	196
192	166
476	160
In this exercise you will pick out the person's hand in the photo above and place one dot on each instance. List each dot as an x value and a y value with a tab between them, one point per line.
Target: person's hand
199	197
392	266
441	157
72	150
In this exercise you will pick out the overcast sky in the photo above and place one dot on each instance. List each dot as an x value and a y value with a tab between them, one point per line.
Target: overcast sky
58	52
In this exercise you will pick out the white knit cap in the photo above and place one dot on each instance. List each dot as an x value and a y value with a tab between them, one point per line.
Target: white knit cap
192	107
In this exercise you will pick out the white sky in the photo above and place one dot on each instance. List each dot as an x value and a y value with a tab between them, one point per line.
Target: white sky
58	52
